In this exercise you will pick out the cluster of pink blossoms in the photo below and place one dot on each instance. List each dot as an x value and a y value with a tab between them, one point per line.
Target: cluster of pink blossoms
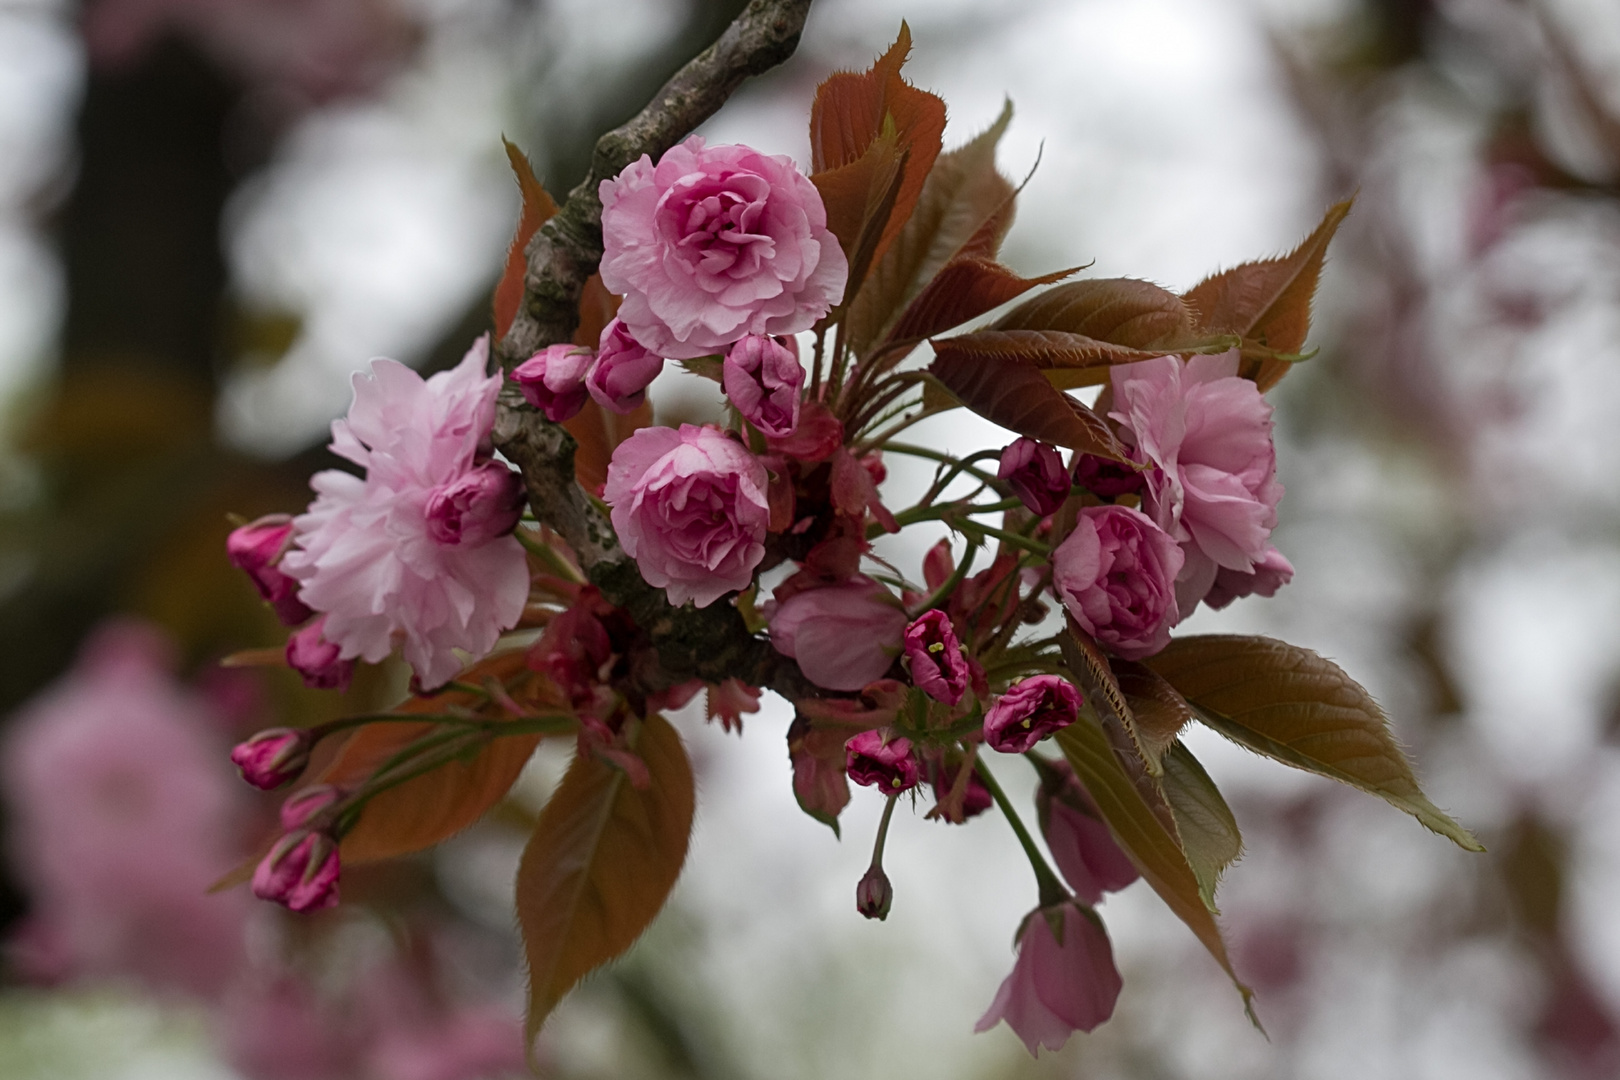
724	253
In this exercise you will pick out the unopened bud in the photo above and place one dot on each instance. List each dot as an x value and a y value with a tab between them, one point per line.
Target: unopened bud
480	505
874	894
300	873
256	549
301	808
272	758
319	661
1035	472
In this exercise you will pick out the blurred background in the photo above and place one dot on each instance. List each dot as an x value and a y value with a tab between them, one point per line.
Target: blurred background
212	212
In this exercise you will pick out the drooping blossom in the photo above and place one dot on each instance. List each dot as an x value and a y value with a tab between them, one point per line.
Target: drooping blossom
843	636
1029	711
319	661
887	764
762	377
1215	488
256	549
727	701
485	504
1116	575
715	242
301	872
1271	572
690	507
274	757
364	551
623	370
1034	470
935	658
120	817
1081	844
553	380
1057	988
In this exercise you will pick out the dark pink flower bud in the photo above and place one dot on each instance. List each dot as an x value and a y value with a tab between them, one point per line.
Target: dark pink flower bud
623	370
886	764
874	895
273	757
256	549
1081	844
301	872
1029	712
553	380
1035	472
319	661
935	658
302	806
762	377
478	506
1107	479
1057	987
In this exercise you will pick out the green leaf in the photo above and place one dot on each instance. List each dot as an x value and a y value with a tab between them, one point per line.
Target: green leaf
1013	393
603	859
1268	303
1296	707
1208	831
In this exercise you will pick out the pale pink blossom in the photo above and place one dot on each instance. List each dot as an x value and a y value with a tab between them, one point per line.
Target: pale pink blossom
690	507
715	242
1082	846
623	370
843	636
1035	472
1214	488
119	818
1116	575
1029	711
762	377
256	549
365	551
1057	988
935	658
1271	572
553	380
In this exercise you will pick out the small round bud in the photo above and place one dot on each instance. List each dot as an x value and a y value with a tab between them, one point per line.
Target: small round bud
874	894
274	757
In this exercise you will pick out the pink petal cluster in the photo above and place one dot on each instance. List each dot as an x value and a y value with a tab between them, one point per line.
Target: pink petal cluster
319	661
623	370
1080	841
119	817
274	757
843	636
365	551
1035	472
1215	488
485	504
1116	575
553	380
1057	988
875	760
715	242
1029	711
690	507
301	872
935	658
762	377
256	549
1271	572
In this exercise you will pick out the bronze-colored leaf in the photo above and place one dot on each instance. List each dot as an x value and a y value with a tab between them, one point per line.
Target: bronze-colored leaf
1090	667
964	289
1127	319
1159	711
1268	303
537	210
859	198
1144	837
852	110
962	194
603	859
1296	707
1013	393
1204	823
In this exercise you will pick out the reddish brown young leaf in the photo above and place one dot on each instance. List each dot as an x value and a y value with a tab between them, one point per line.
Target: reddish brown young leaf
1159	712
1268	303
603	859
597	307
963	198
859	198
850	113
1296	707
1137	318
964	289
1012	392
435	806
537	210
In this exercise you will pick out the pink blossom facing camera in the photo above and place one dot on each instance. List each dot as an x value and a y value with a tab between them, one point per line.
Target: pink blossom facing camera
935	658
1116	575
1030	711
887	764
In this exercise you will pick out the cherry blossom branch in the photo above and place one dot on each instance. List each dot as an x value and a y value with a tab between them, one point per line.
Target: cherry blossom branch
712	643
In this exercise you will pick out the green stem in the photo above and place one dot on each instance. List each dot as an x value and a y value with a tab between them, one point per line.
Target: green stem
912	450
883	833
1052	890
948	586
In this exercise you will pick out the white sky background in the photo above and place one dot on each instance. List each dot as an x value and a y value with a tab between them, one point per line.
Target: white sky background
1170	151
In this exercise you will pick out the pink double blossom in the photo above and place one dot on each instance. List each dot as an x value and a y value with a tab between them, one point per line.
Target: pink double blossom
1116	575
367	552
623	370
1214	488
715	242
935	659
762	377
1057	987
1029	711
843	636
690	507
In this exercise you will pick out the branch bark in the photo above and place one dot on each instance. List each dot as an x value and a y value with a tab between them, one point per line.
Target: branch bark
712	643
